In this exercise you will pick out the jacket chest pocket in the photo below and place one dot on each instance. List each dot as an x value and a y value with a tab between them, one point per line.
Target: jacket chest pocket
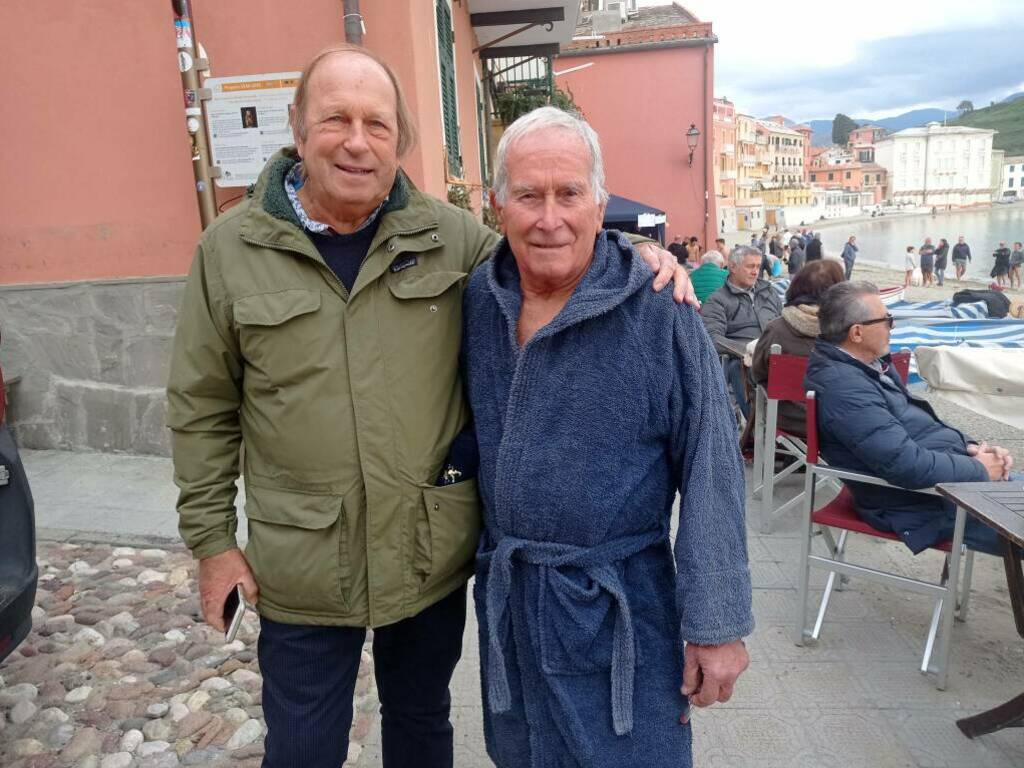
424	322
281	334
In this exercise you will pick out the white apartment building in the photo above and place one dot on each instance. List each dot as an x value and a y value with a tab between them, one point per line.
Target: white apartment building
1011	181
938	165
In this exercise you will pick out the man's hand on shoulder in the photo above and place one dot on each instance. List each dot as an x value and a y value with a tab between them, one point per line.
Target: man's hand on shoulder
710	671
218	575
666	268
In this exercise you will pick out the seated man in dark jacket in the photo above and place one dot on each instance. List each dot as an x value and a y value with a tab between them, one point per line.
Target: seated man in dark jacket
868	422
740	310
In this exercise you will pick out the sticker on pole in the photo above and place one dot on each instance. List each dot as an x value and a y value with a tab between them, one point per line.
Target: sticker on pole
184	61
247	121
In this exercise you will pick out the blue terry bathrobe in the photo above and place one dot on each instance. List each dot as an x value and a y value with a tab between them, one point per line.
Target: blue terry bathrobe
586	433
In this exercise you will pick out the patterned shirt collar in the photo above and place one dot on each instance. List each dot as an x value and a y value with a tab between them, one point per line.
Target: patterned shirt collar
293	182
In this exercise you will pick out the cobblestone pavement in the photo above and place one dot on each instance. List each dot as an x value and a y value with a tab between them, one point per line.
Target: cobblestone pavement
119	670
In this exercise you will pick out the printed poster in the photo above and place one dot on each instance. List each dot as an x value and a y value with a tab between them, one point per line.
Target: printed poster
247	119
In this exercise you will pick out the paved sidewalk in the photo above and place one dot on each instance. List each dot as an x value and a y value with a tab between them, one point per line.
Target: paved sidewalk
853	700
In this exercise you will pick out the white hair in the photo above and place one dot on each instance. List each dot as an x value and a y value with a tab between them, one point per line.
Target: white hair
713	257
741	252
540	119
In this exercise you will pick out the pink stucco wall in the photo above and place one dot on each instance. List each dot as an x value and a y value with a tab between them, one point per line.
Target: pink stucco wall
641	103
96	155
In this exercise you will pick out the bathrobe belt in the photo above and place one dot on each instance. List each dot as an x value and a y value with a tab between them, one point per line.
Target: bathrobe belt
597	562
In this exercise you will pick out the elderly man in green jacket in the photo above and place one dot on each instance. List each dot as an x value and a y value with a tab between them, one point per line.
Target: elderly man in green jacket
321	328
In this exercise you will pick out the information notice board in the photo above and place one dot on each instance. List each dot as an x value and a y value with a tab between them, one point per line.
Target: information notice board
248	122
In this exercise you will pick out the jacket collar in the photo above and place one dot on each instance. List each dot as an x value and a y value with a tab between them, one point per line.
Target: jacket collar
834	353
758	287
271	219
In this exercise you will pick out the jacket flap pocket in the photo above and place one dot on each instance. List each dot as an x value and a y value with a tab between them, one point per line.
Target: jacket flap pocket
301	510
424	286
275	308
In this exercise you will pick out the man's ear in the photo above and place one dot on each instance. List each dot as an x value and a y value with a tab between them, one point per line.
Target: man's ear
498	209
296	139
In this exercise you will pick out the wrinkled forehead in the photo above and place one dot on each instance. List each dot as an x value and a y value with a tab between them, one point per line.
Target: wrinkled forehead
541	147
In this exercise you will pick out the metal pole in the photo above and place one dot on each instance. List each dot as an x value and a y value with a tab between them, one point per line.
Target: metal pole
353	22
188	65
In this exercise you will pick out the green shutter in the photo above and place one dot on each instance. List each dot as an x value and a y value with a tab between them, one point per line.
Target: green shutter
449	105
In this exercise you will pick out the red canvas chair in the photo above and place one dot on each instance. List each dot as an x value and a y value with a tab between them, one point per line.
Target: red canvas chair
840	514
785	384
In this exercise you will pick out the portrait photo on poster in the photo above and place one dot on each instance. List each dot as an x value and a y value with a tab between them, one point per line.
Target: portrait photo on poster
249	118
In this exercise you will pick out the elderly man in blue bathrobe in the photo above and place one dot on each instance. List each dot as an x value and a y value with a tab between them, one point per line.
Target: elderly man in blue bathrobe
595	401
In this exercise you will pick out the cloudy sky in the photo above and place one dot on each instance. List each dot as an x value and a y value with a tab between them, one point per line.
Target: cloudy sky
810	59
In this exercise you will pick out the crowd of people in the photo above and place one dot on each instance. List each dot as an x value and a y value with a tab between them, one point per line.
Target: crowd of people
925	264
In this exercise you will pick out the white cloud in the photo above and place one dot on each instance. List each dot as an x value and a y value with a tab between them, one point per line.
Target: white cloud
788	41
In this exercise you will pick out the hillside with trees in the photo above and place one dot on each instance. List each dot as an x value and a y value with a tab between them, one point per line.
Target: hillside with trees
1007	117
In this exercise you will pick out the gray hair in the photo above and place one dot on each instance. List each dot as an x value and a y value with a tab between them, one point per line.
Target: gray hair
740	252
713	257
841	307
539	119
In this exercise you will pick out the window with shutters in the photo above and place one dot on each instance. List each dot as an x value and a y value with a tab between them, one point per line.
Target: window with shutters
449	102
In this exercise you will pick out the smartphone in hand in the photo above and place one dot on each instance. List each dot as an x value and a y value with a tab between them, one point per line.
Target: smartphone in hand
234	609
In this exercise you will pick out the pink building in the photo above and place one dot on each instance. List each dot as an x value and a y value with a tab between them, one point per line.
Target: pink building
641	84
724	124
862	142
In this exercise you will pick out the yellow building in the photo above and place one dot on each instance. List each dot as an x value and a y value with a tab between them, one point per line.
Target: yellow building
752	158
788	195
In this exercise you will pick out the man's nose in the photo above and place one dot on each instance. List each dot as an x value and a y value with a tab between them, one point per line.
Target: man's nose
550	215
355	140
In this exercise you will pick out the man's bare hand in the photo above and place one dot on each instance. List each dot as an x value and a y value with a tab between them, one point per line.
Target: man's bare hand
218	575
710	671
993	465
666	268
1002	454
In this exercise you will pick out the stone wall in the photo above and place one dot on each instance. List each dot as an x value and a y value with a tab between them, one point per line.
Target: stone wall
93	360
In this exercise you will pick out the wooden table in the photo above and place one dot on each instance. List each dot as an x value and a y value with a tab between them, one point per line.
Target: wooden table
1001	506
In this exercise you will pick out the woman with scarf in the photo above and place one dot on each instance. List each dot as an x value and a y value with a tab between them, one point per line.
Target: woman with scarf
795	330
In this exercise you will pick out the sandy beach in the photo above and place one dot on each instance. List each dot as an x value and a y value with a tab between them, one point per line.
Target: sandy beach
883	276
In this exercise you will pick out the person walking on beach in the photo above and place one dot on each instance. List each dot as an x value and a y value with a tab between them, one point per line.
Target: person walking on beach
941	260
926	256
1001	269
1016	261
850	255
911	265
961	255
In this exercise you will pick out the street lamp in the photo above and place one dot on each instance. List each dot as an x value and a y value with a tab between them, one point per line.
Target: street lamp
692	136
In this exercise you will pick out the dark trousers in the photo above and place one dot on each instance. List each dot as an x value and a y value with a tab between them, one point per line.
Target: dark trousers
309	677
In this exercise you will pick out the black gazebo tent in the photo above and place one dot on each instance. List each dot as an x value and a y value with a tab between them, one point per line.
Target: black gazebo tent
630	216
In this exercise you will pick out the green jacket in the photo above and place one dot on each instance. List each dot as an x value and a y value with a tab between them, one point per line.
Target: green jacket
707	279
346	406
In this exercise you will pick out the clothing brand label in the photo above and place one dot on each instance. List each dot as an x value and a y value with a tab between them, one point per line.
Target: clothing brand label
403	262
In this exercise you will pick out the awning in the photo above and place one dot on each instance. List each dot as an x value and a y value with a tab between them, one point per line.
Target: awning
630	216
510	28
622	210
